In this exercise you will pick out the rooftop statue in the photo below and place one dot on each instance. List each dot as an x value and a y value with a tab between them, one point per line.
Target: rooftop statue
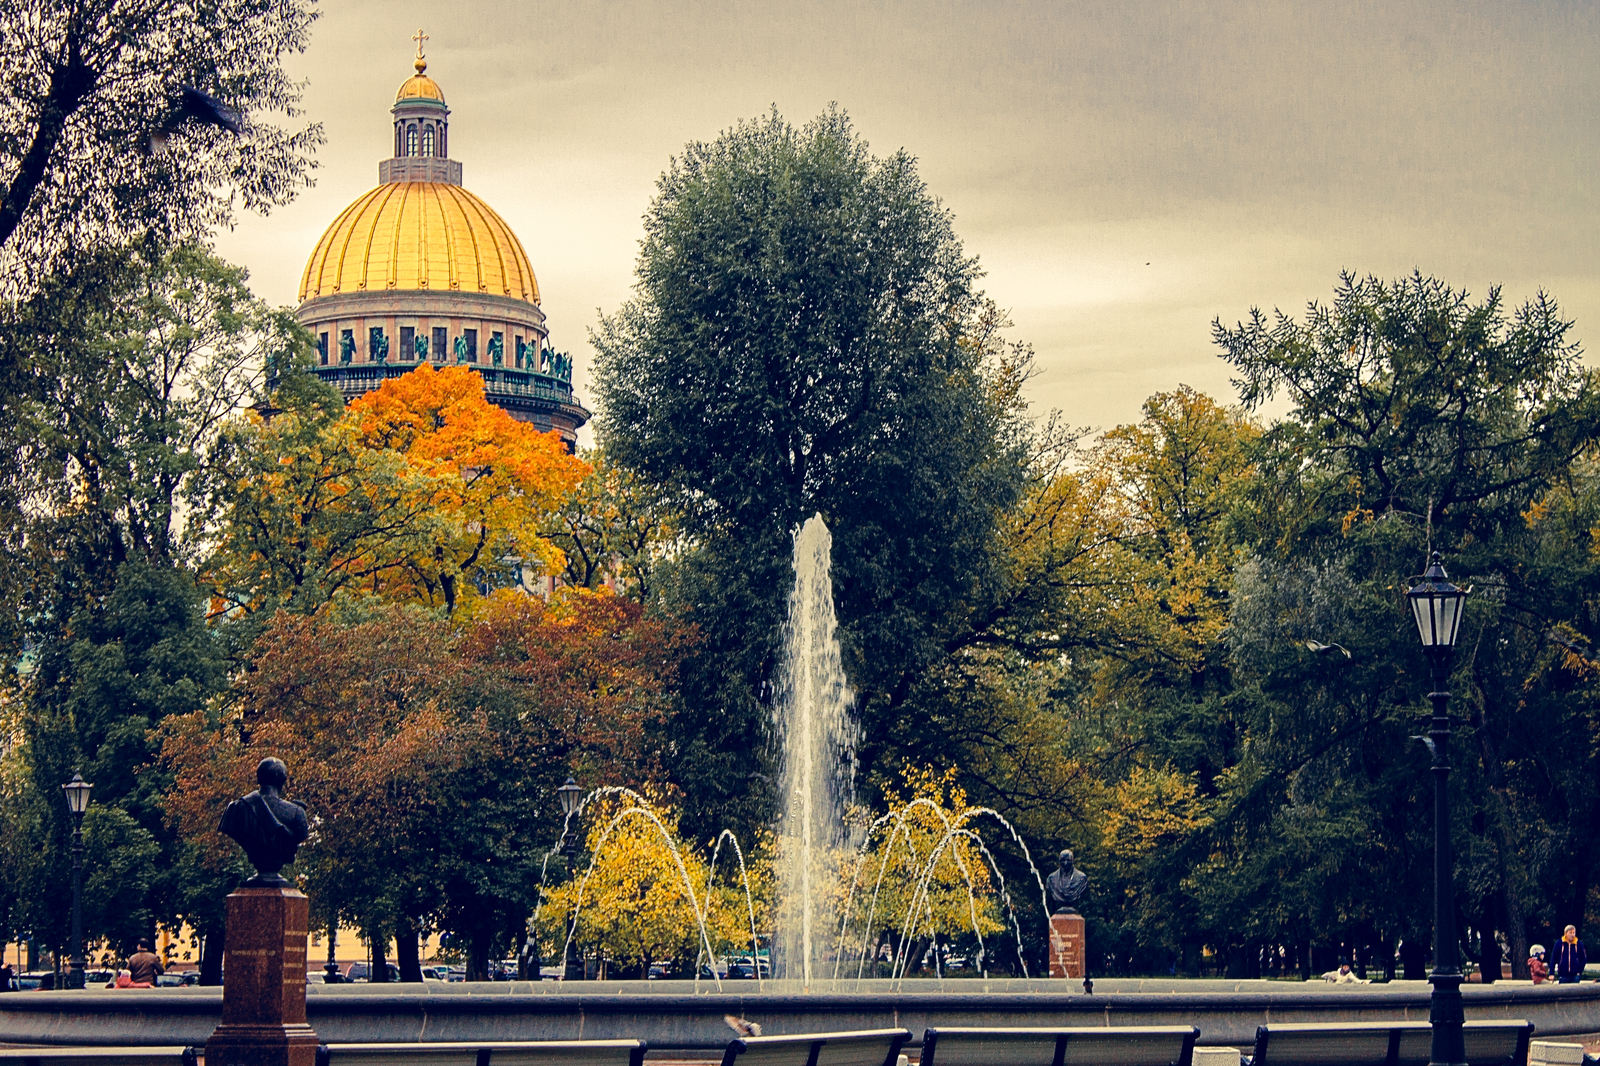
1066	886
268	827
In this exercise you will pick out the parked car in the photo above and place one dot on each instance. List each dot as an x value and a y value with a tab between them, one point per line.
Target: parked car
36	980
743	968
98	978
316	977
361	972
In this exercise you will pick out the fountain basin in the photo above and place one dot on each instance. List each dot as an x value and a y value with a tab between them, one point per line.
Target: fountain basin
674	1016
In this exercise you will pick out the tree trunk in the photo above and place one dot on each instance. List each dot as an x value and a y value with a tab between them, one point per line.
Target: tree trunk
211	945
405	951
1489	941
478	956
1414	958
1494	776
379	942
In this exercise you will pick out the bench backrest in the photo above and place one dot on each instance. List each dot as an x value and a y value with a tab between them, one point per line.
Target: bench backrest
1130	1045
98	1056
510	1053
866	1047
1488	1043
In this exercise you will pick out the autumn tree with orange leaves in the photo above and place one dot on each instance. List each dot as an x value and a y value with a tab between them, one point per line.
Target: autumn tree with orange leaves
420	492
428	754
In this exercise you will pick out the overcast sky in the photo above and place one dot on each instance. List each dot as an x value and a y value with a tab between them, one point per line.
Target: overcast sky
1126	171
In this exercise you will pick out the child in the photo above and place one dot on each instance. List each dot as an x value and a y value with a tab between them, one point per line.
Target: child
1536	967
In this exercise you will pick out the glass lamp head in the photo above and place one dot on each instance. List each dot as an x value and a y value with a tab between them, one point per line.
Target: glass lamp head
1436	603
77	793
569	794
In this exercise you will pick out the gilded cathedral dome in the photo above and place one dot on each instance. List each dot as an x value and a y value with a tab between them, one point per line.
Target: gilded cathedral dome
419	235
419	271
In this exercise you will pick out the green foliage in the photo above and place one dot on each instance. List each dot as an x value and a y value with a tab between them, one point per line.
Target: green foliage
802	341
86	85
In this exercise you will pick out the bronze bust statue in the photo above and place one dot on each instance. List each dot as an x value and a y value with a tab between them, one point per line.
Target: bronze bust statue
1066	886
268	827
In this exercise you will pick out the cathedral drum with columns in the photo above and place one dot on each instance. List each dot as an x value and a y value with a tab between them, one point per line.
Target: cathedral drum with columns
419	270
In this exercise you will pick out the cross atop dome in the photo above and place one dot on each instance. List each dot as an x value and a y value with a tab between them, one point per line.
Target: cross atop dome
421	63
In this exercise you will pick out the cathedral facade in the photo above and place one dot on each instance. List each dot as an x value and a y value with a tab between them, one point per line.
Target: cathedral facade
419	270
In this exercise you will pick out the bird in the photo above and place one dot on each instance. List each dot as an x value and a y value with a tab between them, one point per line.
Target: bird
195	105
742	1027
1319	647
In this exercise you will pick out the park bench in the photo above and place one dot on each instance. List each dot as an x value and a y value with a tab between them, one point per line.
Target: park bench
513	1053
866	1047
1488	1043
1129	1045
98	1056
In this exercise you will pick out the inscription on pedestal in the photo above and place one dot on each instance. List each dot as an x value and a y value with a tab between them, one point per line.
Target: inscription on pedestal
1066	946
264	986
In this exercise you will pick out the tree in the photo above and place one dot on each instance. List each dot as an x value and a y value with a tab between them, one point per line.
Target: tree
643	894
435	746
88	83
138	360
805	339
1421	419
421	492
922	874
616	527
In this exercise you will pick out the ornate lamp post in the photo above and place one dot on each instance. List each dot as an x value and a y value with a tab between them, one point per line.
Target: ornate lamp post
1437	606
77	793
569	794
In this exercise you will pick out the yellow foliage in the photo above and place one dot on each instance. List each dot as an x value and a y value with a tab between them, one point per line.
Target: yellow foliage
923	873
1150	809
640	902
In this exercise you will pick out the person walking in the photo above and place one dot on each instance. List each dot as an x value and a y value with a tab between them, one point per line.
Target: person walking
144	965
1570	957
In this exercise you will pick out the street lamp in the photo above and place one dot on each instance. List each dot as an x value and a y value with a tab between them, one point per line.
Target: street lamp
77	793
569	794
1436	603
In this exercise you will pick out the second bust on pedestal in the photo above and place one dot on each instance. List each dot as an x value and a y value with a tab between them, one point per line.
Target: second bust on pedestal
1066	886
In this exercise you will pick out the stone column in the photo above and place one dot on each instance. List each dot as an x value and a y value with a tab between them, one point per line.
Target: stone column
1066	947
264	981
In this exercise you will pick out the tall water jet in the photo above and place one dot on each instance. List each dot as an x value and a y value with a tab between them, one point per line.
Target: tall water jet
818	736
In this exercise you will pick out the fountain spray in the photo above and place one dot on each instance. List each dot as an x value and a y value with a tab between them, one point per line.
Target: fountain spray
818	736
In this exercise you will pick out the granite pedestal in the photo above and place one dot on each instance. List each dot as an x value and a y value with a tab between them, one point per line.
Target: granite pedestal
264	982
1066	946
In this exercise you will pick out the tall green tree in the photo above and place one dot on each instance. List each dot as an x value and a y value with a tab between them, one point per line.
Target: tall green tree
801	342
140	358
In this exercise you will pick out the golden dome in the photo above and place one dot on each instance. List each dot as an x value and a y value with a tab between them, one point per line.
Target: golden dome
419	87
420	235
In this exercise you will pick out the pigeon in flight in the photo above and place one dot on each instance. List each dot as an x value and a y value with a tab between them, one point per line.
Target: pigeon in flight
195	105
742	1027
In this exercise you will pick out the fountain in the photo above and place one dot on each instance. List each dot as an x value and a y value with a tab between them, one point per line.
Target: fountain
818	737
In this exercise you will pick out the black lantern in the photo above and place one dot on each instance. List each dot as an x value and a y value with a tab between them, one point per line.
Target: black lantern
569	794
1437	606
77	793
